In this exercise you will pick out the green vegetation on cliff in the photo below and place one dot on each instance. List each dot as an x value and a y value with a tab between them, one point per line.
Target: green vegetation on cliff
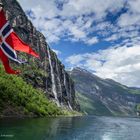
138	107
90	106
17	98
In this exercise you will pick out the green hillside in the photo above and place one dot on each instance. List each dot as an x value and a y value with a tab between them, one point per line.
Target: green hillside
17	98
90	106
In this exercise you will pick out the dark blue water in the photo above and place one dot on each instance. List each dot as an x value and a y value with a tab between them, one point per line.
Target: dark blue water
72	128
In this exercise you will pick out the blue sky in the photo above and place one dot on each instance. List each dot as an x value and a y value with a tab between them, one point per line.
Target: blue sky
101	36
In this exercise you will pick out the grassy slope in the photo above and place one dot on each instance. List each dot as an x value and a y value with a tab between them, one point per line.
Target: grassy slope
17	98
90	106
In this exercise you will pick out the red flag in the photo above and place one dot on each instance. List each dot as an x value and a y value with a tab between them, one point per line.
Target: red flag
17	44
5	62
11	37
10	43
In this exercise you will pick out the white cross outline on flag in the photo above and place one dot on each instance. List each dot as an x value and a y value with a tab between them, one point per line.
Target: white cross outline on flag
4	46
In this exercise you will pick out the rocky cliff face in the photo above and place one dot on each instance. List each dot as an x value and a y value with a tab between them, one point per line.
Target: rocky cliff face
104	96
48	73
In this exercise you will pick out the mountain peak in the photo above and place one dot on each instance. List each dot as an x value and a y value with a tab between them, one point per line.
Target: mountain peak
80	69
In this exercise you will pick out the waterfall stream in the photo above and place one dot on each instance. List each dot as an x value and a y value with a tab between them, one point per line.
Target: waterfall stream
69	105
70	99
58	77
52	77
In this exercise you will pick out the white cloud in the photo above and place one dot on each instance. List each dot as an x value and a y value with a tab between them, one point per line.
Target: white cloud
57	51
123	34
43	8
134	6
121	64
98	7
92	41
75	59
77	33
76	18
129	19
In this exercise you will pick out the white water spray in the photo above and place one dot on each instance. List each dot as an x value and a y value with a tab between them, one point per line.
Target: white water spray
69	105
52	77
58	77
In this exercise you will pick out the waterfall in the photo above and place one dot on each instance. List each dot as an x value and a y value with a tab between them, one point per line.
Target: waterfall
58	77
52	77
69	105
70	98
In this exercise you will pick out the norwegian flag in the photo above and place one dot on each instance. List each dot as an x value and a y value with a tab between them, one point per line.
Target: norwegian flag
10	43
5	62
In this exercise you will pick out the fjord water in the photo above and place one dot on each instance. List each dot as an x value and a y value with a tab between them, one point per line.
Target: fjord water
71	128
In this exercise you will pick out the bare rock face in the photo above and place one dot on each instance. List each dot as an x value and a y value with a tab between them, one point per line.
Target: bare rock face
48	73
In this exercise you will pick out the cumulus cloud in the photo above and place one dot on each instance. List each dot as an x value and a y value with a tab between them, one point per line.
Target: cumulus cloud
75	20
93	40
57	51
130	19
132	15
121	64
97	7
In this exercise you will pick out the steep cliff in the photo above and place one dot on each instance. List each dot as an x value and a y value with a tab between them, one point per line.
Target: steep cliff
104	96
48	73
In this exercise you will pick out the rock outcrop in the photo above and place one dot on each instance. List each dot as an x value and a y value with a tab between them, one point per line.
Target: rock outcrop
48	73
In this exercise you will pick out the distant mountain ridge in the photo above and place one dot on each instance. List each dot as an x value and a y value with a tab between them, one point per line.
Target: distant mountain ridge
104	96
